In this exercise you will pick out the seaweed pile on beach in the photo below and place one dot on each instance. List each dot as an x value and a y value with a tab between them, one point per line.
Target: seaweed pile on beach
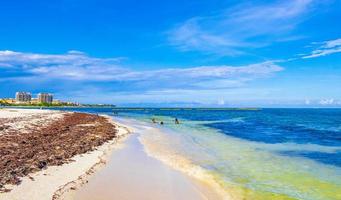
55	144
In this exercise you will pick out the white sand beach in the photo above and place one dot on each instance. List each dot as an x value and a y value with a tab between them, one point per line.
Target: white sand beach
55	180
131	174
118	169
23	119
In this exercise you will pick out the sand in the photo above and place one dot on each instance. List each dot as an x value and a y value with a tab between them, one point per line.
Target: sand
132	174
53	181
118	169
25	119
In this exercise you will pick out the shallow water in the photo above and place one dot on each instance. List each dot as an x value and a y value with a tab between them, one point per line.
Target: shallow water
254	154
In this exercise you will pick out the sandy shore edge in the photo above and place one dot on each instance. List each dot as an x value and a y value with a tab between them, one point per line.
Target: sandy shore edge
63	182
56	181
68	190
201	178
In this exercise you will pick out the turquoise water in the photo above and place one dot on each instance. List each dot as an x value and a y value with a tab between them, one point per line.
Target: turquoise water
256	154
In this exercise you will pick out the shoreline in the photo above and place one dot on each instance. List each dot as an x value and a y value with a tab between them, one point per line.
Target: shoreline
134	169
202	179
46	183
69	179
68	190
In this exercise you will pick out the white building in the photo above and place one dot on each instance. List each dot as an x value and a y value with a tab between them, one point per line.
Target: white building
23	97
45	98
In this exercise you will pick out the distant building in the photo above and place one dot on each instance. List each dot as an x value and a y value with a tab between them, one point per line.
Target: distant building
23	97
45	98
56	101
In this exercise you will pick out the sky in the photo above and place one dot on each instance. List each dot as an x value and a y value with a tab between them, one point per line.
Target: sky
174	53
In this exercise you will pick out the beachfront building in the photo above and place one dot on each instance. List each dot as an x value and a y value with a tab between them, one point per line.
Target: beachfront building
45	98
23	97
57	101
34	101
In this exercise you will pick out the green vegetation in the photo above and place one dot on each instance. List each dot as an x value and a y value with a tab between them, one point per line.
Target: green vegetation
5	103
98	105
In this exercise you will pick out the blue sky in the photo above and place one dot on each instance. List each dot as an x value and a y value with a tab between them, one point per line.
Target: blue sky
176	53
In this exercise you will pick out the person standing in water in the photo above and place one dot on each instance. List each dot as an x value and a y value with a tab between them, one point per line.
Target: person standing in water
177	121
153	120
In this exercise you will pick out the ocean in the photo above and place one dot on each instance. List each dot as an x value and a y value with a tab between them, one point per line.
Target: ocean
252	153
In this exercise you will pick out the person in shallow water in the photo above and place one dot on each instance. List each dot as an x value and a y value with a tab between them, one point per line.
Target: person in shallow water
154	120
177	121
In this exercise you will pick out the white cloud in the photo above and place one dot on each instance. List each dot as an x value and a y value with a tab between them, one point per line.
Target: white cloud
307	102
77	66
80	77
221	102
327	101
72	65
326	48
246	25
332	43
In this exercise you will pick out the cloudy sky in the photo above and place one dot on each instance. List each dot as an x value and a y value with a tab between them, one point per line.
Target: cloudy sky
174	53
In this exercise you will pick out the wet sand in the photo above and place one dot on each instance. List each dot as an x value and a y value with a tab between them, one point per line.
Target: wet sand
131	174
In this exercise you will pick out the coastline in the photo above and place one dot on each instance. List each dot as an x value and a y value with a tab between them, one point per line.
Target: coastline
134	169
53	181
69	189
200	177
68	180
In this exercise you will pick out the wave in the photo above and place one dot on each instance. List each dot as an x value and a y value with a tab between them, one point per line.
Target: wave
246	173
207	122
176	161
320	128
240	169
282	147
